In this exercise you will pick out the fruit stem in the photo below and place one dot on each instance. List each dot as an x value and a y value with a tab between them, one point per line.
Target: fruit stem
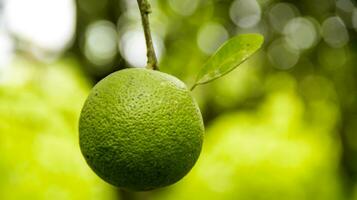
193	87
145	10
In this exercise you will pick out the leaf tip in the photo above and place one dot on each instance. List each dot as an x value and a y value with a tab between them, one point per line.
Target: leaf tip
259	38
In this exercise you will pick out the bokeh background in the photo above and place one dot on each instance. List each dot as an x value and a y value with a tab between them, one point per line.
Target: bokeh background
281	126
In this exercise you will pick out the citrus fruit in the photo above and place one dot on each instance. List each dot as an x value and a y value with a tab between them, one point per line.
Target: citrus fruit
140	129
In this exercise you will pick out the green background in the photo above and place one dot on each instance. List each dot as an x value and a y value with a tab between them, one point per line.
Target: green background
281	126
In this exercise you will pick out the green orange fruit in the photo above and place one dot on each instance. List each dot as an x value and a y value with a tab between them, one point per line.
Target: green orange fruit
141	129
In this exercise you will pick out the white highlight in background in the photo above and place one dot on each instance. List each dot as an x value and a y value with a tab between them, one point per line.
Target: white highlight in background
211	36
47	24
334	32
301	33
245	13
132	47
100	45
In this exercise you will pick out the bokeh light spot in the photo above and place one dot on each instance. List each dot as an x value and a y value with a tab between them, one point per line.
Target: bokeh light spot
334	32
184	7
354	19
46	24
245	13
281	55
211	36
100	45
345	5
133	49
6	50
280	14
300	33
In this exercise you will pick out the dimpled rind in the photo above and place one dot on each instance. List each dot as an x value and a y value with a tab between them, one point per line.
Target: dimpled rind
140	129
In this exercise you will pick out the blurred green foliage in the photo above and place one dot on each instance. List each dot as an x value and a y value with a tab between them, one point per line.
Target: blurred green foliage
38	141
281	126
269	153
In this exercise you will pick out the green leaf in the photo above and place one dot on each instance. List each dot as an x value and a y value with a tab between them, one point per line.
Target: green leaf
229	56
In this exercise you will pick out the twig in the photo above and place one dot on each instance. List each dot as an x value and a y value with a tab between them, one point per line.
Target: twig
145	10
193	87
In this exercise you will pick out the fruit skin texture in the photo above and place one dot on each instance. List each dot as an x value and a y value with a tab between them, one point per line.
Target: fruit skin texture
140	129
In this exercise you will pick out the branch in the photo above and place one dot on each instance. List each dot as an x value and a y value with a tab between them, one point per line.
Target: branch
145	10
